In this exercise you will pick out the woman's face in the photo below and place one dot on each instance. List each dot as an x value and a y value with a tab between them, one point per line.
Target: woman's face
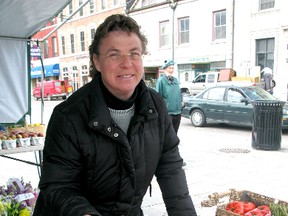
120	63
169	70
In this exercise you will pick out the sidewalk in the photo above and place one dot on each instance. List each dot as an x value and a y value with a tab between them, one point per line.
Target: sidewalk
210	169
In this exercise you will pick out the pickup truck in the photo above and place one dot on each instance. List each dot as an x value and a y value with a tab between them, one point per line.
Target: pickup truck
209	79
200	82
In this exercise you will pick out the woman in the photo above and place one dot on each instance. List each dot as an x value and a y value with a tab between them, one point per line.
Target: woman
105	143
168	87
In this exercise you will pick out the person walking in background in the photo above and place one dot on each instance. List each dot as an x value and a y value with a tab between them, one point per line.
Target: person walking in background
105	143
168	87
269	83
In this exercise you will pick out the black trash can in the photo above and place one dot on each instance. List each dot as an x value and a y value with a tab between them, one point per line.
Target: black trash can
267	124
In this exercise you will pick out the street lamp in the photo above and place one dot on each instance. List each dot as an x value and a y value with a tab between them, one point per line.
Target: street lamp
173	5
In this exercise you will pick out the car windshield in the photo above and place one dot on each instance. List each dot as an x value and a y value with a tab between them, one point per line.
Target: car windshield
258	94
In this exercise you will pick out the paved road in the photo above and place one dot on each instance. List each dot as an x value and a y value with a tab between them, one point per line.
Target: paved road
220	158
213	164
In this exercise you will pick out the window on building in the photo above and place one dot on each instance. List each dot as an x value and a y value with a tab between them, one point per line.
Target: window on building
92	6
92	33
186	69
65	72
266	4
219	25
70	8
164	33
46	49
62	16
103	4
183	30
82	41
54	47
265	53
81	10
63	45
84	71
72	43
116	2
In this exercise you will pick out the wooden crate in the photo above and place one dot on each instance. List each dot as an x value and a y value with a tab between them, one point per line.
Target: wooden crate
216	199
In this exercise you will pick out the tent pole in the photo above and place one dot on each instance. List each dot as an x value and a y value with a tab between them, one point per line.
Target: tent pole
42	85
29	81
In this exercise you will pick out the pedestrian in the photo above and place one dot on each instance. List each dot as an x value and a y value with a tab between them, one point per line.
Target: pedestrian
169	89
269	83
105	143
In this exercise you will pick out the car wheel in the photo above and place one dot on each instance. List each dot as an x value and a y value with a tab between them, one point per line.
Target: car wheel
198	118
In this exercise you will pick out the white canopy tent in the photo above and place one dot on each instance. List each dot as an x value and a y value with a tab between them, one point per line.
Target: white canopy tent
19	21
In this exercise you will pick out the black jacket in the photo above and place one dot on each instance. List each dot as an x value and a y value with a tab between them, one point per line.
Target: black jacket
91	166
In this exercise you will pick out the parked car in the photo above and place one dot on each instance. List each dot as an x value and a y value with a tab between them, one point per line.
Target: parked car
52	89
226	104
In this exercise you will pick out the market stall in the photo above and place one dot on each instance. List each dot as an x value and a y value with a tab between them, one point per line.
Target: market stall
20	20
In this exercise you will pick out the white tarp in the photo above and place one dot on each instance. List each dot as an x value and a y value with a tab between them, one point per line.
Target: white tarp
19	21
24	18
13	80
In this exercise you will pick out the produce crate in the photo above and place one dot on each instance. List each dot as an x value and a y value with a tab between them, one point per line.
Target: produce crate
216	199
39	128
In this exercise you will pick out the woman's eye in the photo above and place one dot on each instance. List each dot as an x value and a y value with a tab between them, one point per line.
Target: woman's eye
113	55
135	55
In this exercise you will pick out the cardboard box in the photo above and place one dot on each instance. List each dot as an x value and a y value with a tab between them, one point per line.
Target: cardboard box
250	79
226	74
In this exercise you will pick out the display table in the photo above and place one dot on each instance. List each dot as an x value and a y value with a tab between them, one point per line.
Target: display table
21	150
36	149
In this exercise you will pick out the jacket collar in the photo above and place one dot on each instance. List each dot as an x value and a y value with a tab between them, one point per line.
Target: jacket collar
99	115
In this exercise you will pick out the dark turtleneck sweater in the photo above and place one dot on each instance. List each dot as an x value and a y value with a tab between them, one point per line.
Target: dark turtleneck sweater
116	103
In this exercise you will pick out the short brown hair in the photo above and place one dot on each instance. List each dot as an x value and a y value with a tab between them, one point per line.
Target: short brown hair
115	22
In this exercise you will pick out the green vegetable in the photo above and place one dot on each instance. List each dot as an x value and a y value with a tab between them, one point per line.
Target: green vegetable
279	209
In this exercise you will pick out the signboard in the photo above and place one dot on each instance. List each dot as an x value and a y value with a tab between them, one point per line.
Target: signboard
35	51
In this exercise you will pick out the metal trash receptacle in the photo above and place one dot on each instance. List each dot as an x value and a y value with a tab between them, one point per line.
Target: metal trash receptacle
267	124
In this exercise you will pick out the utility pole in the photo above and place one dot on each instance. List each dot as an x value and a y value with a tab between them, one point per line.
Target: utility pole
173	5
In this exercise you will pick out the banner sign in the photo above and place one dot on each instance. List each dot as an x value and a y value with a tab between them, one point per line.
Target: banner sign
35	51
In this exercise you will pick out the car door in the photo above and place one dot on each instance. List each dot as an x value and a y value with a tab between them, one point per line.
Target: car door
213	104
237	112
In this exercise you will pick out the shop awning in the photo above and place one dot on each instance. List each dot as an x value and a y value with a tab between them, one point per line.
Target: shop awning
49	70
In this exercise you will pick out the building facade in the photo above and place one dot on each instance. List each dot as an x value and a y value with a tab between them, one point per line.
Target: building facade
199	35
208	35
77	34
